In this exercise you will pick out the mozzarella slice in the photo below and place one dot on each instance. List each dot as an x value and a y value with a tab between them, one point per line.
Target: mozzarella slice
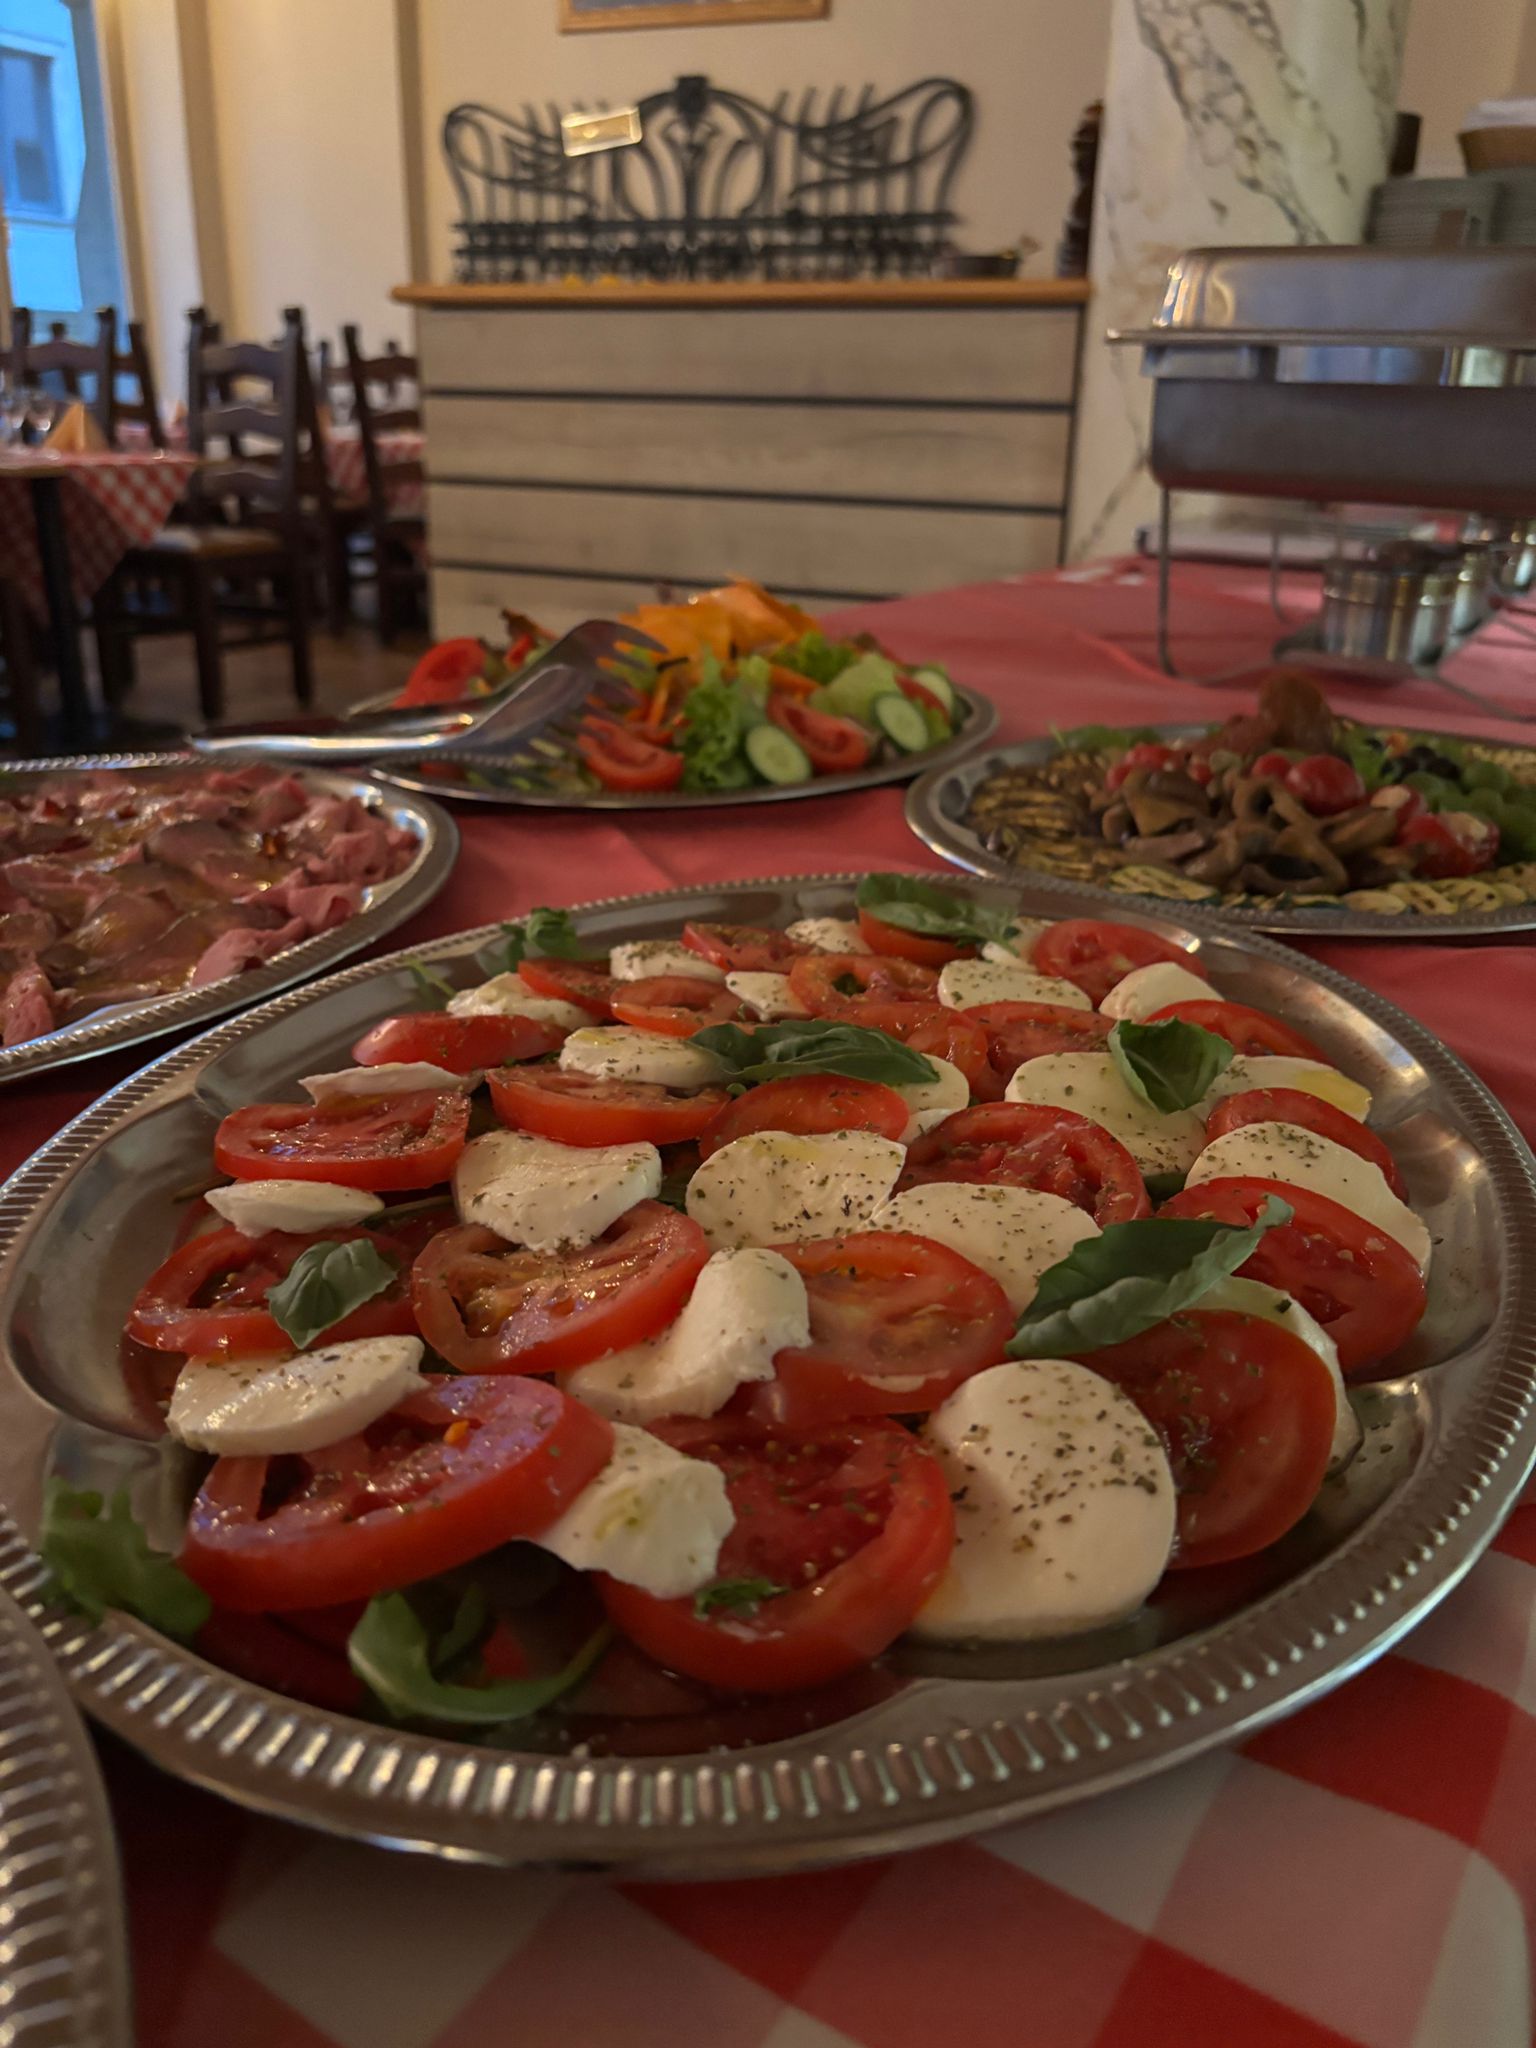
1064	1504
772	1187
641	958
746	1305
1146	989
613	1052
391	1077
1020	942
964	983
262	1406
257	1205
1281	1070
534	1192
1090	1083
826	935
932	1101
508	995
1012	1233
1286	1152
651	1518
1253	1298
770	995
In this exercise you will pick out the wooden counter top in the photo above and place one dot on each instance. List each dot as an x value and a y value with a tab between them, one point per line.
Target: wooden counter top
874	291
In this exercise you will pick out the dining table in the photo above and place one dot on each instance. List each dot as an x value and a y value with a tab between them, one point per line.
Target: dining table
1361	1874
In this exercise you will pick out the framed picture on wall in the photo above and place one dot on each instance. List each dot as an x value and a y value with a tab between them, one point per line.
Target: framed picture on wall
575	14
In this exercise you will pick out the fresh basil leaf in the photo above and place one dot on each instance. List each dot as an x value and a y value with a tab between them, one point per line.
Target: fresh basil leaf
104	1560
433	991
1162	1187
736	1596
813	1045
674	1190
326	1283
1112	1287
543	933
392	1653
920	906
1172	1065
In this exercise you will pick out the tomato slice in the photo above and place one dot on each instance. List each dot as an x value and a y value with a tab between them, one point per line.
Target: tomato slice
1024	1145
1247	1412
743	948
854	986
897	944
1096	955
444	673
383	1142
210	1295
582	982
1017	1032
623	759
1360	1284
677	1004
575	1109
836	746
897	1322
855	1519
1249	1031
490	1307
459	1469
1295	1106
462	1045
806	1104
950	1035
275	1653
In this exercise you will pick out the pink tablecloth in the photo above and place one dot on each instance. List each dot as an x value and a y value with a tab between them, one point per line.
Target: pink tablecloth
112	502
1365	1873
349	477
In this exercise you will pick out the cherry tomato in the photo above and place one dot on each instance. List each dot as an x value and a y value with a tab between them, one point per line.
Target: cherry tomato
462	1045
1450	843
855	1520
1404	803
1016	1032
675	1004
852	985
575	1109
836	746
743	948
897	1322
1247	1412
210	1295
1273	766
1022	1145
445	672
582	982
1096	955
1360	1284
1326	784
624	759
1294	1106
897	944
806	1104
1197	770
1250	1031
456	1470
383	1142
489	1307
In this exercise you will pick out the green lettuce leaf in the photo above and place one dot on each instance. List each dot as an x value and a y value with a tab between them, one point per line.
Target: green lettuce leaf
104	1560
392	1653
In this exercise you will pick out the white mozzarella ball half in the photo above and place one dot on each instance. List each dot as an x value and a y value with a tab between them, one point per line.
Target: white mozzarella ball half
390	1077
1020	943
614	1052
639	959
965	983
1146	989
1300	1158
827	935
264	1406
768	995
1090	1083
1283	1070
546	1196
1015	1234
775	1187
508	995
930	1102
652	1518
253	1206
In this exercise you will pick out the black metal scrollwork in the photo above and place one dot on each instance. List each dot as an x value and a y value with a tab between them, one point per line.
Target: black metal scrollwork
719	186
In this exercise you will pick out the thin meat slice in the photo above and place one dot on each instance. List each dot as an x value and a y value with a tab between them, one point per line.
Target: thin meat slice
234	951
319	906
29	1006
122	923
215	856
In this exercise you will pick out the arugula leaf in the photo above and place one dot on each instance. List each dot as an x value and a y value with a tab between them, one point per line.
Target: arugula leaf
813	1045
737	1596
104	1560
917	905
392	1653
434	992
326	1283
543	933
1171	1065
1113	1286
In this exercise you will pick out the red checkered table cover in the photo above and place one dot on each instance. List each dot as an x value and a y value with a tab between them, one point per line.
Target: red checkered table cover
112	501
349	477
1362	1875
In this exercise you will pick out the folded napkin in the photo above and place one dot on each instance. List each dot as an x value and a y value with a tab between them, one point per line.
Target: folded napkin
75	432
1502	114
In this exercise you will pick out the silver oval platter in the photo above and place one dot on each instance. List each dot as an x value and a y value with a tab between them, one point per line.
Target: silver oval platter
937	806
385	906
511	780
949	1742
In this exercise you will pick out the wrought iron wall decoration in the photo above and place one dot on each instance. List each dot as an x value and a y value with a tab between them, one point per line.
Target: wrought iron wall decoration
718	186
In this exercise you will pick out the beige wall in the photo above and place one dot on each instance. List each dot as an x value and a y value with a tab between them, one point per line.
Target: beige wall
1034	65
1460	52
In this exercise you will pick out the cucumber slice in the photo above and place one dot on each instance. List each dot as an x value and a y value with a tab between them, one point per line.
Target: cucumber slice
902	722
854	693
935	679
776	756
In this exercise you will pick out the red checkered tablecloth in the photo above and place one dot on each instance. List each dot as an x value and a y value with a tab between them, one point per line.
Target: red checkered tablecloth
112	501
349	477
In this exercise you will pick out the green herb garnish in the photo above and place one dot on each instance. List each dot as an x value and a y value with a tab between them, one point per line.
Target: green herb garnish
100	1560
392	1653
735	1596
813	1045
1171	1065
924	907
326	1283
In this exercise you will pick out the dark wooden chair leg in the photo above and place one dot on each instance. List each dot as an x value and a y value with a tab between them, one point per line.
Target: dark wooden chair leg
387	618
296	582
338	581
204	612
114	645
20	669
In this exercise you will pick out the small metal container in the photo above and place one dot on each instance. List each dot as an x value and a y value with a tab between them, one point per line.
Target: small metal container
1396	609
1512	545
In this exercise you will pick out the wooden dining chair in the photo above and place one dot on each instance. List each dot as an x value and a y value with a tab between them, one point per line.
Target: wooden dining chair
135	400
380	384
244	558
69	361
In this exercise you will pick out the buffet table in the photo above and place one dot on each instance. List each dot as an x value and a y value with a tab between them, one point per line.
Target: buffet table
1364	1873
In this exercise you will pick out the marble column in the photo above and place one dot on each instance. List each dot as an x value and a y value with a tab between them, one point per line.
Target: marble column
1225	122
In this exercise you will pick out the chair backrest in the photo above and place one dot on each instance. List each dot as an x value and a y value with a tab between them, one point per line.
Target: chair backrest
389	376
251	415
132	368
71	362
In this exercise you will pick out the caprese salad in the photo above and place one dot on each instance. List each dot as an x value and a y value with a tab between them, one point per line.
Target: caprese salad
620	1334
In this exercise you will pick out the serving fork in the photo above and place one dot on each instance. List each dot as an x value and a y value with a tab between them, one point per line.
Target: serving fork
547	698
